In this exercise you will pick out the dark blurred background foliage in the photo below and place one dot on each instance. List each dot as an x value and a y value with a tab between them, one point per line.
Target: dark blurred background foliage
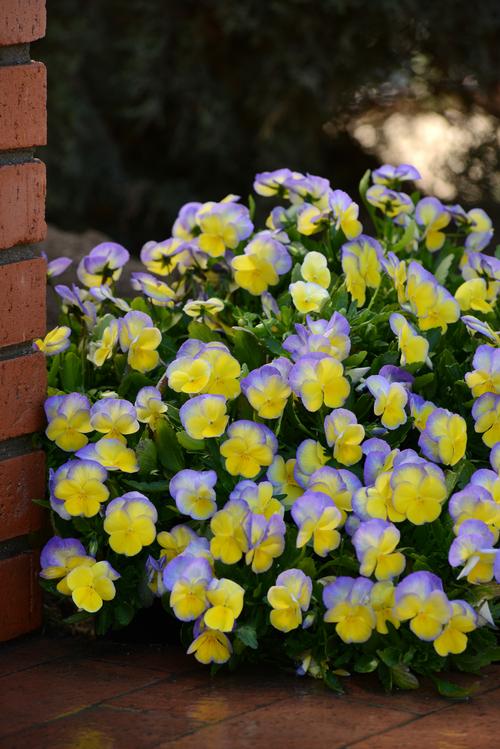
156	102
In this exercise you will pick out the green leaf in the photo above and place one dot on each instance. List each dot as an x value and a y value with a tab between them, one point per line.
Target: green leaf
124	613
296	273
423	380
390	656
364	183
443	268
132	383
333	683
251	206
71	372
365	664
79	616
450	480
41	502
340	299
169	450
355	360
453	691
151	487
147	455
202	332
404	678
247	348
248	636
188	443
140	304
274	346
407	237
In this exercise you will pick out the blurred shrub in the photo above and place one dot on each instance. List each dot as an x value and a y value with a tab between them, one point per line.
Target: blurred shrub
156	102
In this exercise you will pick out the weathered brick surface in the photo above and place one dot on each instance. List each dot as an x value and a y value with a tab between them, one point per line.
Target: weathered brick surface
21	608
22	479
22	301
22	204
23	93
21	21
22	392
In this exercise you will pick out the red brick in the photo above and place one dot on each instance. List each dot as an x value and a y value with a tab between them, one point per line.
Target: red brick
22	301
22	21
23	117
22	207
23	382
21	597
22	479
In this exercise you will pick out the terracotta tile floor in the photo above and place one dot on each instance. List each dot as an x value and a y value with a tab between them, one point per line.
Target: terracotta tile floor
69	694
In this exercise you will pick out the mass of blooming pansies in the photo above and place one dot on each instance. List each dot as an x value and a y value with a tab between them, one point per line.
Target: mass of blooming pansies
289	433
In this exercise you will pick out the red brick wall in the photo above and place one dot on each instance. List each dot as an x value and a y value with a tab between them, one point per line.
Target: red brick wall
22	313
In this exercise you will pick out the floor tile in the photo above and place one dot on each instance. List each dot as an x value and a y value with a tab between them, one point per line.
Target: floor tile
464	725
103	728
32	650
63	686
302	722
